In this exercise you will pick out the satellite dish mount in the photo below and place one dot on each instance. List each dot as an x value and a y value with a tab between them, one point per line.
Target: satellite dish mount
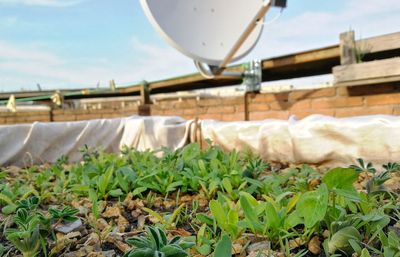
213	33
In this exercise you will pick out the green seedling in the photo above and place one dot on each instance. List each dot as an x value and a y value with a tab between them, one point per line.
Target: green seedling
67	214
167	221
227	217
26	237
156	244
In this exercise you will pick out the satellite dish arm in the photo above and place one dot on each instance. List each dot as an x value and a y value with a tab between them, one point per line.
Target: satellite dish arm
259	16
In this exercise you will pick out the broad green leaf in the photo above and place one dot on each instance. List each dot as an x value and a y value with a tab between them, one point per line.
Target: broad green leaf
340	240
6	199
205	219
141	252
340	180
172	187
293	220
224	247
173	251
355	245
139	190
365	253
8	209
273	219
227	185
204	249
250	199
116	192
233	217
292	203
201	234
312	206
218	213
122	181
250	214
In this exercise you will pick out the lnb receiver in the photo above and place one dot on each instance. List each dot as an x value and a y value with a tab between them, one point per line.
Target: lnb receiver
279	3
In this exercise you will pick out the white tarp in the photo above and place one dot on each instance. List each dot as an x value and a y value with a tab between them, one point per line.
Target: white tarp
28	144
316	139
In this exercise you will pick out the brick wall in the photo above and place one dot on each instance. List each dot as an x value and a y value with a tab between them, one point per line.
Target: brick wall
24	117
65	115
337	102
76	115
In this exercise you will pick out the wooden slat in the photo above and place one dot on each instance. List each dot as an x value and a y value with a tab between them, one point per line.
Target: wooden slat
302	57
380	70
379	44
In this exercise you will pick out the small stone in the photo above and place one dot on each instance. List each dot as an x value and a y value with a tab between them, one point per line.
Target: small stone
112	212
203	202
392	184
117	241
95	254
83	211
169	204
102	224
158	202
237	248
259	246
110	253
314	245
263	253
129	203
122	222
73	234
153	219
139	203
68	227
93	240
79	253
180	232
128	199
136	213
295	243
141	222
186	199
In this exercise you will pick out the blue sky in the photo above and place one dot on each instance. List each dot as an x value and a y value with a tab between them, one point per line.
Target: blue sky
79	43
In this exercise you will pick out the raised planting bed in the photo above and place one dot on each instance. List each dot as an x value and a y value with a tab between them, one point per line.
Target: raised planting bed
194	202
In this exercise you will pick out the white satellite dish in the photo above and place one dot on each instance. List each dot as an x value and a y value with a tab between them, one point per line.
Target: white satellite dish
213	32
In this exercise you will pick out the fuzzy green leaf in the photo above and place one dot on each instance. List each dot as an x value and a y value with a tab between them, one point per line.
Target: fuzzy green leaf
224	247
312	206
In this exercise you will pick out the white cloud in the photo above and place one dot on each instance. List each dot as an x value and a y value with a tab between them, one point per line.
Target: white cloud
39	65
50	3
317	29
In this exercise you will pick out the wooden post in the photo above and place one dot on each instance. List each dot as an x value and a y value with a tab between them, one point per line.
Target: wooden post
348	49
144	107
145	93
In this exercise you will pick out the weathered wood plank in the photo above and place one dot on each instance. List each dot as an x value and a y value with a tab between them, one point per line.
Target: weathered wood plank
386	69
379	44
348	53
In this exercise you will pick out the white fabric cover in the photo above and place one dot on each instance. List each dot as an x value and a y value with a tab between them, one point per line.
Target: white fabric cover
40	142
317	139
